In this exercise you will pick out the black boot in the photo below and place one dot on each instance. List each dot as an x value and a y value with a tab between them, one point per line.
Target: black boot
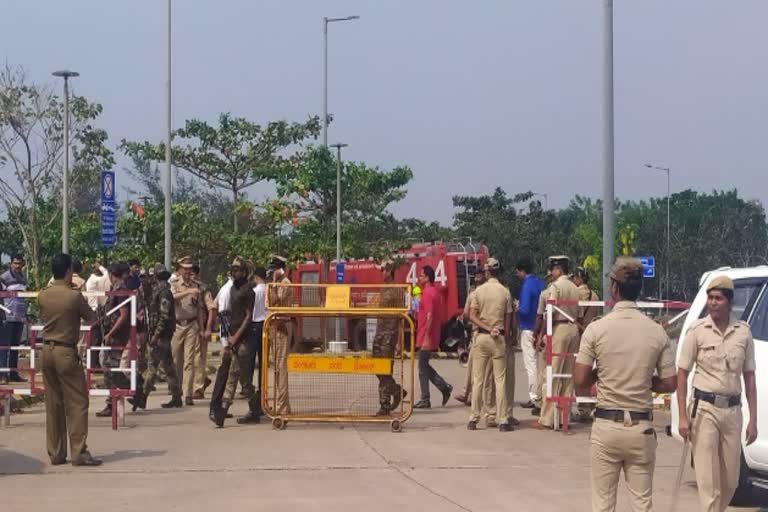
106	412
254	411
138	401
175	402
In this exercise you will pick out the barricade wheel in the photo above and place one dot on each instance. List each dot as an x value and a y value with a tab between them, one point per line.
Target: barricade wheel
396	426
278	423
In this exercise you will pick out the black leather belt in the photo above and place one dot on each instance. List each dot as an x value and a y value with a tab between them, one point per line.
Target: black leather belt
59	344
617	415
483	331
719	401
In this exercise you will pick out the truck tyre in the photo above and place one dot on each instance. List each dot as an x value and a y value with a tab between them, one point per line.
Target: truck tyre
743	495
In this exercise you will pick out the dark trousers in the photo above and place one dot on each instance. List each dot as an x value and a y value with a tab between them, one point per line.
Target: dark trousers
252	353
220	383
10	336
428	374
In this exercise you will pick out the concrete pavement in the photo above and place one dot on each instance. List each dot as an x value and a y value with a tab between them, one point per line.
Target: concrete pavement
176	460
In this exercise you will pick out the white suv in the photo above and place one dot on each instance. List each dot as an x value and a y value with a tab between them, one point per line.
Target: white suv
750	303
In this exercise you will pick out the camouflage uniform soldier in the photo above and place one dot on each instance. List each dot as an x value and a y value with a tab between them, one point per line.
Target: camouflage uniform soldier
387	336
117	335
162	317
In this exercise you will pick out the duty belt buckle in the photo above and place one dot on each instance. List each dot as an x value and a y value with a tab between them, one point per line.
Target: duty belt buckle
721	402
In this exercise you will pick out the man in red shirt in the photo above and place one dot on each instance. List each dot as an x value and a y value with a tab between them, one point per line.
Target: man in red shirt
429	321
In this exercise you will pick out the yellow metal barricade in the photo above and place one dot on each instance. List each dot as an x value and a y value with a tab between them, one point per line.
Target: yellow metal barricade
337	353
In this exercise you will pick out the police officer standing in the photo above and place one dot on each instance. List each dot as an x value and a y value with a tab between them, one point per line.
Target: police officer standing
279	294
723	351
186	339
162	324
386	339
491	311
66	397
565	335
586	315
626	348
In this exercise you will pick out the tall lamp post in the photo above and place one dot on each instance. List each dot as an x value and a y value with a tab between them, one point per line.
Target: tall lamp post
66	75
666	262
338	147
167	180
326	21
608	145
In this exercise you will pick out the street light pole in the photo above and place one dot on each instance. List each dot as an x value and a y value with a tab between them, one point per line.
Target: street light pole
338	147
669	194
66	75
167	187
326	21
608	146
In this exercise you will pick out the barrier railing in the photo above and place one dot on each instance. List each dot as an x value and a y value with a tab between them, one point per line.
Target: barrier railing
117	394
313	373
563	403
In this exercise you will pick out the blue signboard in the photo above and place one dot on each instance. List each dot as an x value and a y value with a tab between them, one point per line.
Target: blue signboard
107	186
339	272
649	266
108	208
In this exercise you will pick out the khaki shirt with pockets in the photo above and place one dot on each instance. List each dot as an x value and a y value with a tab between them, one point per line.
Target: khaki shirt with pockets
543	298
564	289
493	302
187	308
587	313
720	358
627	348
61	309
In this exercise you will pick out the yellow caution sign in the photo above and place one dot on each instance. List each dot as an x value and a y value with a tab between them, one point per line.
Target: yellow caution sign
336	364
337	297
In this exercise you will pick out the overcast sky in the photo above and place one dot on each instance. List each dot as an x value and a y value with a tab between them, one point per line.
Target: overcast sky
471	95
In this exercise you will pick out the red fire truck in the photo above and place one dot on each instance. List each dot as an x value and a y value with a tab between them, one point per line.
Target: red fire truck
454	263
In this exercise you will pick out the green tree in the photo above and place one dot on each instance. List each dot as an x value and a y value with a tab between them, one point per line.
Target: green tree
31	142
232	156
309	189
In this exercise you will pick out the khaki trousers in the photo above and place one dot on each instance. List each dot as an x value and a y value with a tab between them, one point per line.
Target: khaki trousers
66	402
184	347
201	363
489	395
541	377
490	352
616	447
716	446
565	339
279	346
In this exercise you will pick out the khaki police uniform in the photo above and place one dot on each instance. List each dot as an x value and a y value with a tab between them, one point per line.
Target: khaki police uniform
185	345
565	339
492	302
626	348
586	315
541	363
66	396
280	344
489	394
201	357
721	358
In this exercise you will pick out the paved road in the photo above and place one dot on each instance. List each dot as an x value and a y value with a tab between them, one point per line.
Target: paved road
176	460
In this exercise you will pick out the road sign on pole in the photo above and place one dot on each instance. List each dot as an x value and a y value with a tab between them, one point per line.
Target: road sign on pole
339	272
649	266
108	208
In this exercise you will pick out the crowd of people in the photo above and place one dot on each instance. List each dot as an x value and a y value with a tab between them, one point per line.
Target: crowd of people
624	355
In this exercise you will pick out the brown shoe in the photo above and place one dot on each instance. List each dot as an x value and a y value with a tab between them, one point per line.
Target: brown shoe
198	395
461	398
188	401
